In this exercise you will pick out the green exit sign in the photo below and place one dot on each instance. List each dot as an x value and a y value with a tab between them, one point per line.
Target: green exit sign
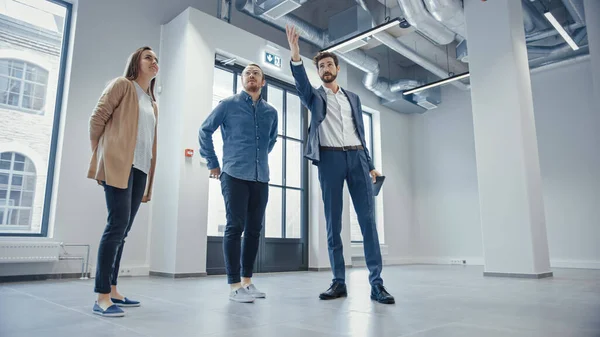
273	59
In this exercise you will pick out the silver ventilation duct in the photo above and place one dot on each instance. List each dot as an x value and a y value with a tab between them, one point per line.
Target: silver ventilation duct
403	85
438	20
542	34
417	15
356	58
450	14
575	9
561	48
557	53
309	32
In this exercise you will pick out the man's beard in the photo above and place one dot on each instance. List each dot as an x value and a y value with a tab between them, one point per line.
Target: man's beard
252	87
331	77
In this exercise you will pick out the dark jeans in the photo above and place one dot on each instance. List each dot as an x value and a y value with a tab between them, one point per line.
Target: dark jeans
245	203
335	167
122	205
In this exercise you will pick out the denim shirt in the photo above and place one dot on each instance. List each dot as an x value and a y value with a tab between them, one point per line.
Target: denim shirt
249	132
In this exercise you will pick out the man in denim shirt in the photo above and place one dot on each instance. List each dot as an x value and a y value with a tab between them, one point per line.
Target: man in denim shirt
249	129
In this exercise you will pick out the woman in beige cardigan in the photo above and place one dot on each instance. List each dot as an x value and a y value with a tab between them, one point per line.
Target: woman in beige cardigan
123	138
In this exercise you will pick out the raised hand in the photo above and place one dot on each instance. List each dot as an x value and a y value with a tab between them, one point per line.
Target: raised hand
293	36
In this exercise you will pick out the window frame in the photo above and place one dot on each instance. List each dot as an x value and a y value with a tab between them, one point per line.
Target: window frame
23	80
60	89
11	173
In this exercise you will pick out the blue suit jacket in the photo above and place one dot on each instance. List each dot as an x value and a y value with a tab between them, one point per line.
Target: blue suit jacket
315	100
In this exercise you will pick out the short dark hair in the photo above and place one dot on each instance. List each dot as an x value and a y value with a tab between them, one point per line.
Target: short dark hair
257	66
323	55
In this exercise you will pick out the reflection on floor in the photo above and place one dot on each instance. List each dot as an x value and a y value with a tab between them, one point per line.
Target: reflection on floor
431	301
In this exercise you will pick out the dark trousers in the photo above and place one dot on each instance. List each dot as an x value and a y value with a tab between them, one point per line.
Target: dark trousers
335	167
245	203
122	205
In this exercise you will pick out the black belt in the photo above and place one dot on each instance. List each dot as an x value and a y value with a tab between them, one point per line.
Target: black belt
343	148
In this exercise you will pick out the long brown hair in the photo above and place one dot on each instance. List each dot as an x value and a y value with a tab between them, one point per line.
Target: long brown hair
133	68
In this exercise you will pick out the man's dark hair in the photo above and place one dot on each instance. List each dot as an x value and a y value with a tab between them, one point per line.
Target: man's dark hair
325	54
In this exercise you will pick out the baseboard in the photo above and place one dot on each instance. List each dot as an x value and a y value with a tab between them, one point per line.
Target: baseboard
128	271
143	270
327	268
40	277
517	275
398	261
177	275
575	264
470	261
478	261
125	272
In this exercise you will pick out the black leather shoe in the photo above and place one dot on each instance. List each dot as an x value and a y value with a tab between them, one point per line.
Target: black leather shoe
336	290
379	294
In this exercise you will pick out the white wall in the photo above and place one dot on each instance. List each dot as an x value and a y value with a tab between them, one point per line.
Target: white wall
188	177
445	181
97	56
394	162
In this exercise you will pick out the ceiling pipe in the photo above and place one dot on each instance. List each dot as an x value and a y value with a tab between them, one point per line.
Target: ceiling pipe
543	34
558	57
575	9
450	14
309	33
403	85
563	47
528	21
417	15
407	52
532	14
400	48
357	58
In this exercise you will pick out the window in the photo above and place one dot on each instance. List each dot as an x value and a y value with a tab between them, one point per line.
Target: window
17	188
223	85
23	85
283	215
355	232
34	36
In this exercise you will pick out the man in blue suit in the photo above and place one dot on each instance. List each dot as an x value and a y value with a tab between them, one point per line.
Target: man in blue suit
336	145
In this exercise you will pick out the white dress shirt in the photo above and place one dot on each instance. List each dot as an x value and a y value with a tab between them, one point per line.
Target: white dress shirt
338	128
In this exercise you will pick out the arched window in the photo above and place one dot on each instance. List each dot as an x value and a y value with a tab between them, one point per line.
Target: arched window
23	85
17	189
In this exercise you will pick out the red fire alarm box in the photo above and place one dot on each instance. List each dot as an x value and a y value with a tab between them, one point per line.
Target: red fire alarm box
189	152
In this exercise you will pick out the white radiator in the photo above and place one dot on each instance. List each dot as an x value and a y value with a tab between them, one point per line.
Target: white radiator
28	251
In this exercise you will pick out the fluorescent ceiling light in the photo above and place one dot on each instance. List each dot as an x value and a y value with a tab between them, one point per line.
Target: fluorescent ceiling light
438	83
561	30
361	36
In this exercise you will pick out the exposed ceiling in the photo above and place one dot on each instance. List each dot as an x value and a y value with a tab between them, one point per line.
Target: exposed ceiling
413	52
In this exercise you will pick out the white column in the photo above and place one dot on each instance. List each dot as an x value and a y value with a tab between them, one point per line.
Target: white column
592	21
508	171
180	198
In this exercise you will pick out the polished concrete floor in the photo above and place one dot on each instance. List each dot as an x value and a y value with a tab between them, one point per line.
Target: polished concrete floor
444	301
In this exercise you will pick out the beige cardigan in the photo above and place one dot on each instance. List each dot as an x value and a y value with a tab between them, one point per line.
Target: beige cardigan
113	131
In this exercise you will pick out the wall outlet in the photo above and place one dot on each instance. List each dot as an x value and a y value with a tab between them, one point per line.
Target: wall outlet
125	272
458	261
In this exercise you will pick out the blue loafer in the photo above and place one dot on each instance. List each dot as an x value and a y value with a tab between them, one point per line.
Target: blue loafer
125	302
112	311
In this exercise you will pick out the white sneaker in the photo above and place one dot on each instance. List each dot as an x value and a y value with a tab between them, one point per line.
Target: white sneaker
241	295
251	289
